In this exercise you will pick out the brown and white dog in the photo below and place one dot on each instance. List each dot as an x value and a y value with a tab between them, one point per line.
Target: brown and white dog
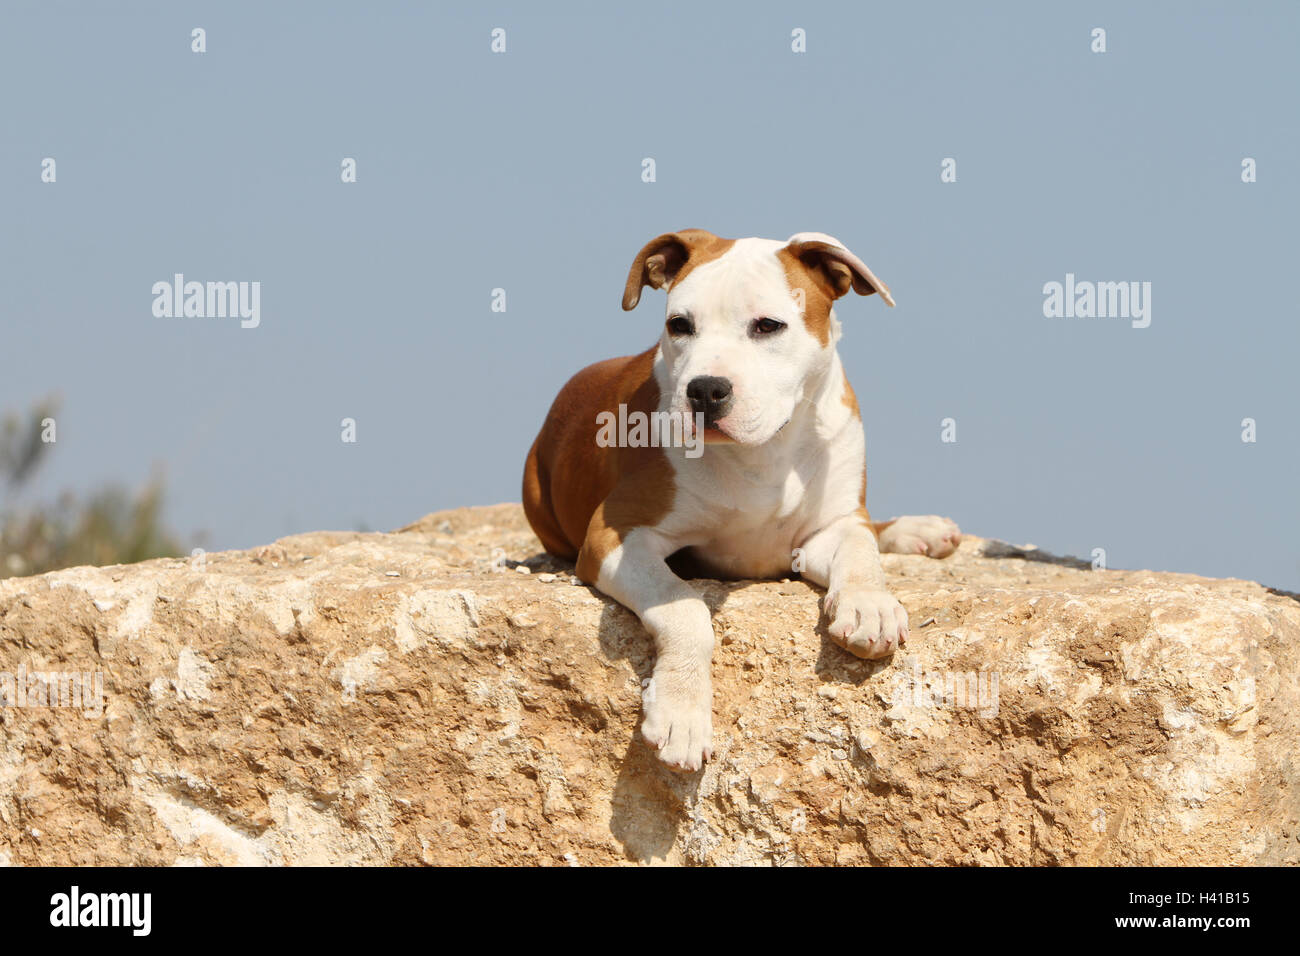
776	481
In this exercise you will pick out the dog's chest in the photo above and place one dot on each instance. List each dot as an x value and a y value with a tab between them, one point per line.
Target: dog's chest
752	529
758	553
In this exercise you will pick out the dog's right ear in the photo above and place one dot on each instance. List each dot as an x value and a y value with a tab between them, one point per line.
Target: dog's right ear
661	260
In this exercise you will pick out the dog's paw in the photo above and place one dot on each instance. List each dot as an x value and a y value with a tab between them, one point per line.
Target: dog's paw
678	719
921	534
869	624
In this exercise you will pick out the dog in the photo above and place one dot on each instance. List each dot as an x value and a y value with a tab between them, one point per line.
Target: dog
775	483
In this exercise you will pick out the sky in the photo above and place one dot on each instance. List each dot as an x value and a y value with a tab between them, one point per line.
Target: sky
522	170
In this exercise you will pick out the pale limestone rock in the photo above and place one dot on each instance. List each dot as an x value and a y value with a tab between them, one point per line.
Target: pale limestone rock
346	698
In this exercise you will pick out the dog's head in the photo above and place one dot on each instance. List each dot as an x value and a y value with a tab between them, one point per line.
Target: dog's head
749	323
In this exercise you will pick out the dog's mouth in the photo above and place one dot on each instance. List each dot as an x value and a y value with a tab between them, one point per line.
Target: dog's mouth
709	433
714	433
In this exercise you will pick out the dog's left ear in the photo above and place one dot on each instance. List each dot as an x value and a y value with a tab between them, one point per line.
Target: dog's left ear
830	261
662	258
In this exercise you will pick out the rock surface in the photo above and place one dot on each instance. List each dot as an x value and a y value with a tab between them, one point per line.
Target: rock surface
414	698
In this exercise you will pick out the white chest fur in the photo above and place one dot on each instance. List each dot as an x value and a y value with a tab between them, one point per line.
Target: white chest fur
744	511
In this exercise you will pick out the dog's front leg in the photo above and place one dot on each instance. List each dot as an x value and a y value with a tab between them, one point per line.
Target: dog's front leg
678	698
866	619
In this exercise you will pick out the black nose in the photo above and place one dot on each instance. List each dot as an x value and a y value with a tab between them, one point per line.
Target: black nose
710	395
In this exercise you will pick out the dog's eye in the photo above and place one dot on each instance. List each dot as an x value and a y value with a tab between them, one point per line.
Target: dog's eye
767	326
680	325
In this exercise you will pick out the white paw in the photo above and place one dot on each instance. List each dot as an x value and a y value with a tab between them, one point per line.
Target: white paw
679	717
921	534
869	624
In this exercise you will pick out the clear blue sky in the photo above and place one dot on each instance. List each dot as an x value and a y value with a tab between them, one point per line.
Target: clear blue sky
522	171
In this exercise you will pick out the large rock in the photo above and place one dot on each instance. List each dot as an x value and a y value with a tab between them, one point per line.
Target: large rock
413	698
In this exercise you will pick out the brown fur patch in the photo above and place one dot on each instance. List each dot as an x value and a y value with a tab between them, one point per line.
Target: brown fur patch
850	400
816	291
641	498
582	499
704	247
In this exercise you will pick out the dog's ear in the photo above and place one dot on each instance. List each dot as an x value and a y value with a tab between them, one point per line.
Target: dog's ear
661	260
831	263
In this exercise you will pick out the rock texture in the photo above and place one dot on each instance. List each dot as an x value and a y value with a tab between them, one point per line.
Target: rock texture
414	698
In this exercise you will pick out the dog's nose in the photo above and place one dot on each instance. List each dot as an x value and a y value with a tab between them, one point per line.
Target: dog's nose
710	395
